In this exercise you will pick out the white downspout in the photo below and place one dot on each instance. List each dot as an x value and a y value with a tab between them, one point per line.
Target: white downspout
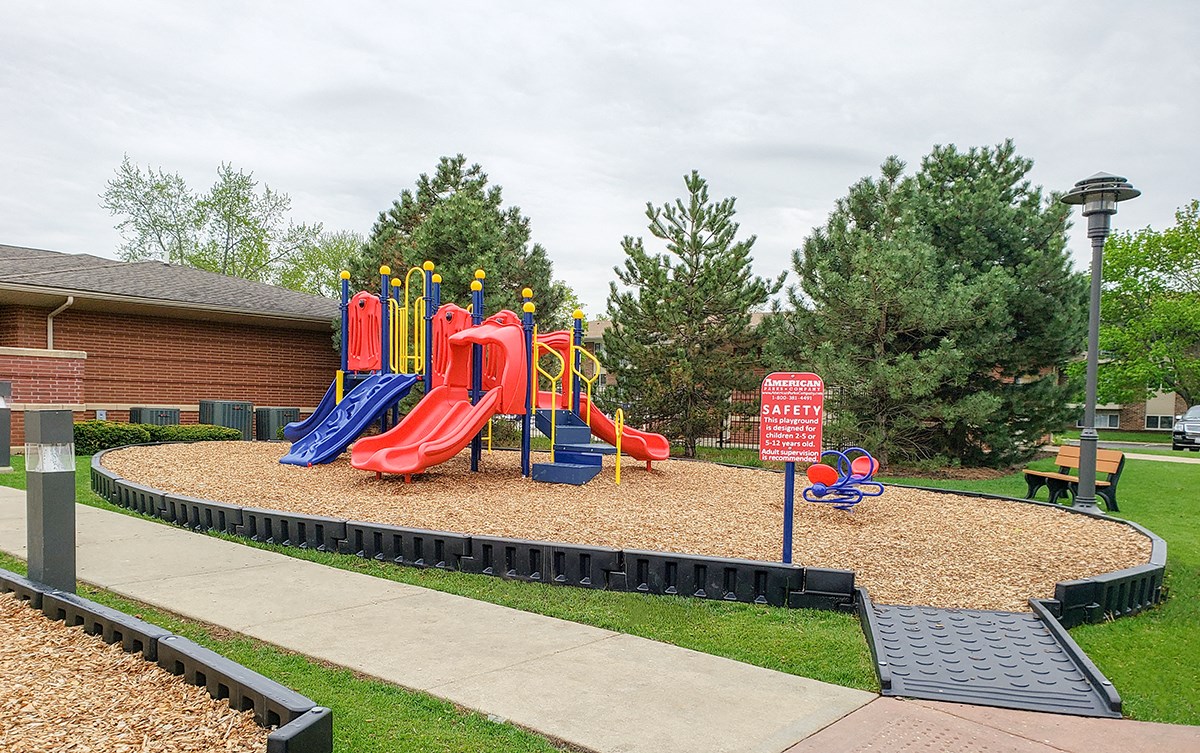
50	321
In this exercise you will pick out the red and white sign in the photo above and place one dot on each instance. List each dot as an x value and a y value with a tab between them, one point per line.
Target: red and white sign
793	406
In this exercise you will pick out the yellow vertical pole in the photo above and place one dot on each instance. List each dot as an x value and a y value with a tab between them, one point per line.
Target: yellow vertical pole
619	425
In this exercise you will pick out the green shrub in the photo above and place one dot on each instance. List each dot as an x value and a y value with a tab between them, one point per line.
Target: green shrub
279	433
190	433
94	436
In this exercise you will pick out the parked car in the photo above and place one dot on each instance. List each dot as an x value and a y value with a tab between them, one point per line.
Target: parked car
1186	432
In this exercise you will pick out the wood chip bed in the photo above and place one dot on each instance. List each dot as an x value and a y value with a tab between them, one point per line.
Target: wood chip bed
64	690
907	547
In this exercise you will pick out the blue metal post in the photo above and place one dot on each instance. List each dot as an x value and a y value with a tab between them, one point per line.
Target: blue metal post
789	491
385	366
385	292
576	362
436	303
345	276
526	420
477	362
429	312
396	294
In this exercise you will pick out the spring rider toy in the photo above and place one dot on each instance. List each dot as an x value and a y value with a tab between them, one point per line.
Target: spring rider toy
844	486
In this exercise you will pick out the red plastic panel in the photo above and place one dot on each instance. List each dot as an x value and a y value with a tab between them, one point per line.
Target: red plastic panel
365	336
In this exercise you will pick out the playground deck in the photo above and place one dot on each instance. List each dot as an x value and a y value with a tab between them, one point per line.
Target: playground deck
907	547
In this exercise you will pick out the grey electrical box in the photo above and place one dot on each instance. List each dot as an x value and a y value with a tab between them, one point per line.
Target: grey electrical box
268	421
156	416
232	413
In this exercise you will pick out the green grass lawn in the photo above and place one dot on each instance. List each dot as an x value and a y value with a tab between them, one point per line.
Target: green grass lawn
368	715
1116	435
1154	659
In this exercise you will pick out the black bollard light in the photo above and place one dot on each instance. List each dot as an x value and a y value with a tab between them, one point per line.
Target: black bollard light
5	427
50	497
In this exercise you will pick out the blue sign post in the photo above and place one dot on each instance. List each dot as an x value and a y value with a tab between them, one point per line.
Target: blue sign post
789	431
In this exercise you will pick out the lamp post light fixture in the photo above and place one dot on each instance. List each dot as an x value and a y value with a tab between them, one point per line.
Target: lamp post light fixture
1098	195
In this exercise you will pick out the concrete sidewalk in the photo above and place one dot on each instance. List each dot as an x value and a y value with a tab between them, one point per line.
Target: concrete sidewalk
592	688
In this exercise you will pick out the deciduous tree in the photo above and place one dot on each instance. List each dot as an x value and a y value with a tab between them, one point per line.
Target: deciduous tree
1150	312
235	228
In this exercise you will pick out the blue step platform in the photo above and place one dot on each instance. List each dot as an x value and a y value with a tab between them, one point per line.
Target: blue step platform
577	460
564	473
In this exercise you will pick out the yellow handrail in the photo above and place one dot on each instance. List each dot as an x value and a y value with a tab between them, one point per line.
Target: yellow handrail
406	353
589	382
395	335
619	425
554	380
489	436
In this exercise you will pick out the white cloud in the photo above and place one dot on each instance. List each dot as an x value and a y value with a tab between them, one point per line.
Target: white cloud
584	112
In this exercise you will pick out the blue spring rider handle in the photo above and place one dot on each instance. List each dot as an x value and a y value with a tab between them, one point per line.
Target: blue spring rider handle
845	486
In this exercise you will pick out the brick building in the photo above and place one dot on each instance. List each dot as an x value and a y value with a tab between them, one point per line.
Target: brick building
90	335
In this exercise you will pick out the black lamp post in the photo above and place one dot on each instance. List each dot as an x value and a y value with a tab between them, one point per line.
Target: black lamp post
1099	195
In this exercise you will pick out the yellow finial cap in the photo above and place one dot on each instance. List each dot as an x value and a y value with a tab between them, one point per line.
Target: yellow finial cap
476	285
344	275
527	292
528	308
385	270
437	278
427	266
479	275
397	282
578	314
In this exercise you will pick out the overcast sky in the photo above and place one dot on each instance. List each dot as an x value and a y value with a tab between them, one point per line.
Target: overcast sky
583	112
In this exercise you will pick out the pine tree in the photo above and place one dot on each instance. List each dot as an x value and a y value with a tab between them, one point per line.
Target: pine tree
459	222
944	303
681	340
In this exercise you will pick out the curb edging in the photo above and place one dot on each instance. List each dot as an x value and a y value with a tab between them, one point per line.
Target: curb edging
301	725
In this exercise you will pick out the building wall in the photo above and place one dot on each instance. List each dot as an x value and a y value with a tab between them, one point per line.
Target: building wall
22	327
42	378
161	362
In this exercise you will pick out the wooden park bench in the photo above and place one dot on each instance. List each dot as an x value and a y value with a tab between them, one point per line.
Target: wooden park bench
1109	462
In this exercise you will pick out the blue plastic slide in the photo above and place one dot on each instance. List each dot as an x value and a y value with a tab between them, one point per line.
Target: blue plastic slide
346	420
297	429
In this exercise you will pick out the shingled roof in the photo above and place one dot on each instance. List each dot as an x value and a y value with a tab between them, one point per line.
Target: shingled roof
173	286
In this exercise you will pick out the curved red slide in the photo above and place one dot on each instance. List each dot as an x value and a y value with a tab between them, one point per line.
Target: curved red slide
440	426
445	421
639	445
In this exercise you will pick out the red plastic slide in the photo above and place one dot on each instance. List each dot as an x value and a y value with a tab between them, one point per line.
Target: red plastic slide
444	421
436	430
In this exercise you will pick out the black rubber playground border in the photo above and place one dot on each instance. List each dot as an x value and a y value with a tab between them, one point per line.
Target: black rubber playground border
1110	595
301	725
1107	596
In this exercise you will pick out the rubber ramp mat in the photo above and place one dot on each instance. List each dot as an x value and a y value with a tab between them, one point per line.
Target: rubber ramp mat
1016	660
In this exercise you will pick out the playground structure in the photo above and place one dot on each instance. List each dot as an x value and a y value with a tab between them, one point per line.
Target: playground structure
847	484
472	368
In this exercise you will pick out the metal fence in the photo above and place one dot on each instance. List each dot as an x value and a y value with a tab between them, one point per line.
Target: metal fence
739	426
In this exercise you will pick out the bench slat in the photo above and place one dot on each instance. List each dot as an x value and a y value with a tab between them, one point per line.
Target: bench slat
1061	476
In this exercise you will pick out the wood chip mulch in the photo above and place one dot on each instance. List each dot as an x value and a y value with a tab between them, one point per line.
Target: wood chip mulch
63	690
907	546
